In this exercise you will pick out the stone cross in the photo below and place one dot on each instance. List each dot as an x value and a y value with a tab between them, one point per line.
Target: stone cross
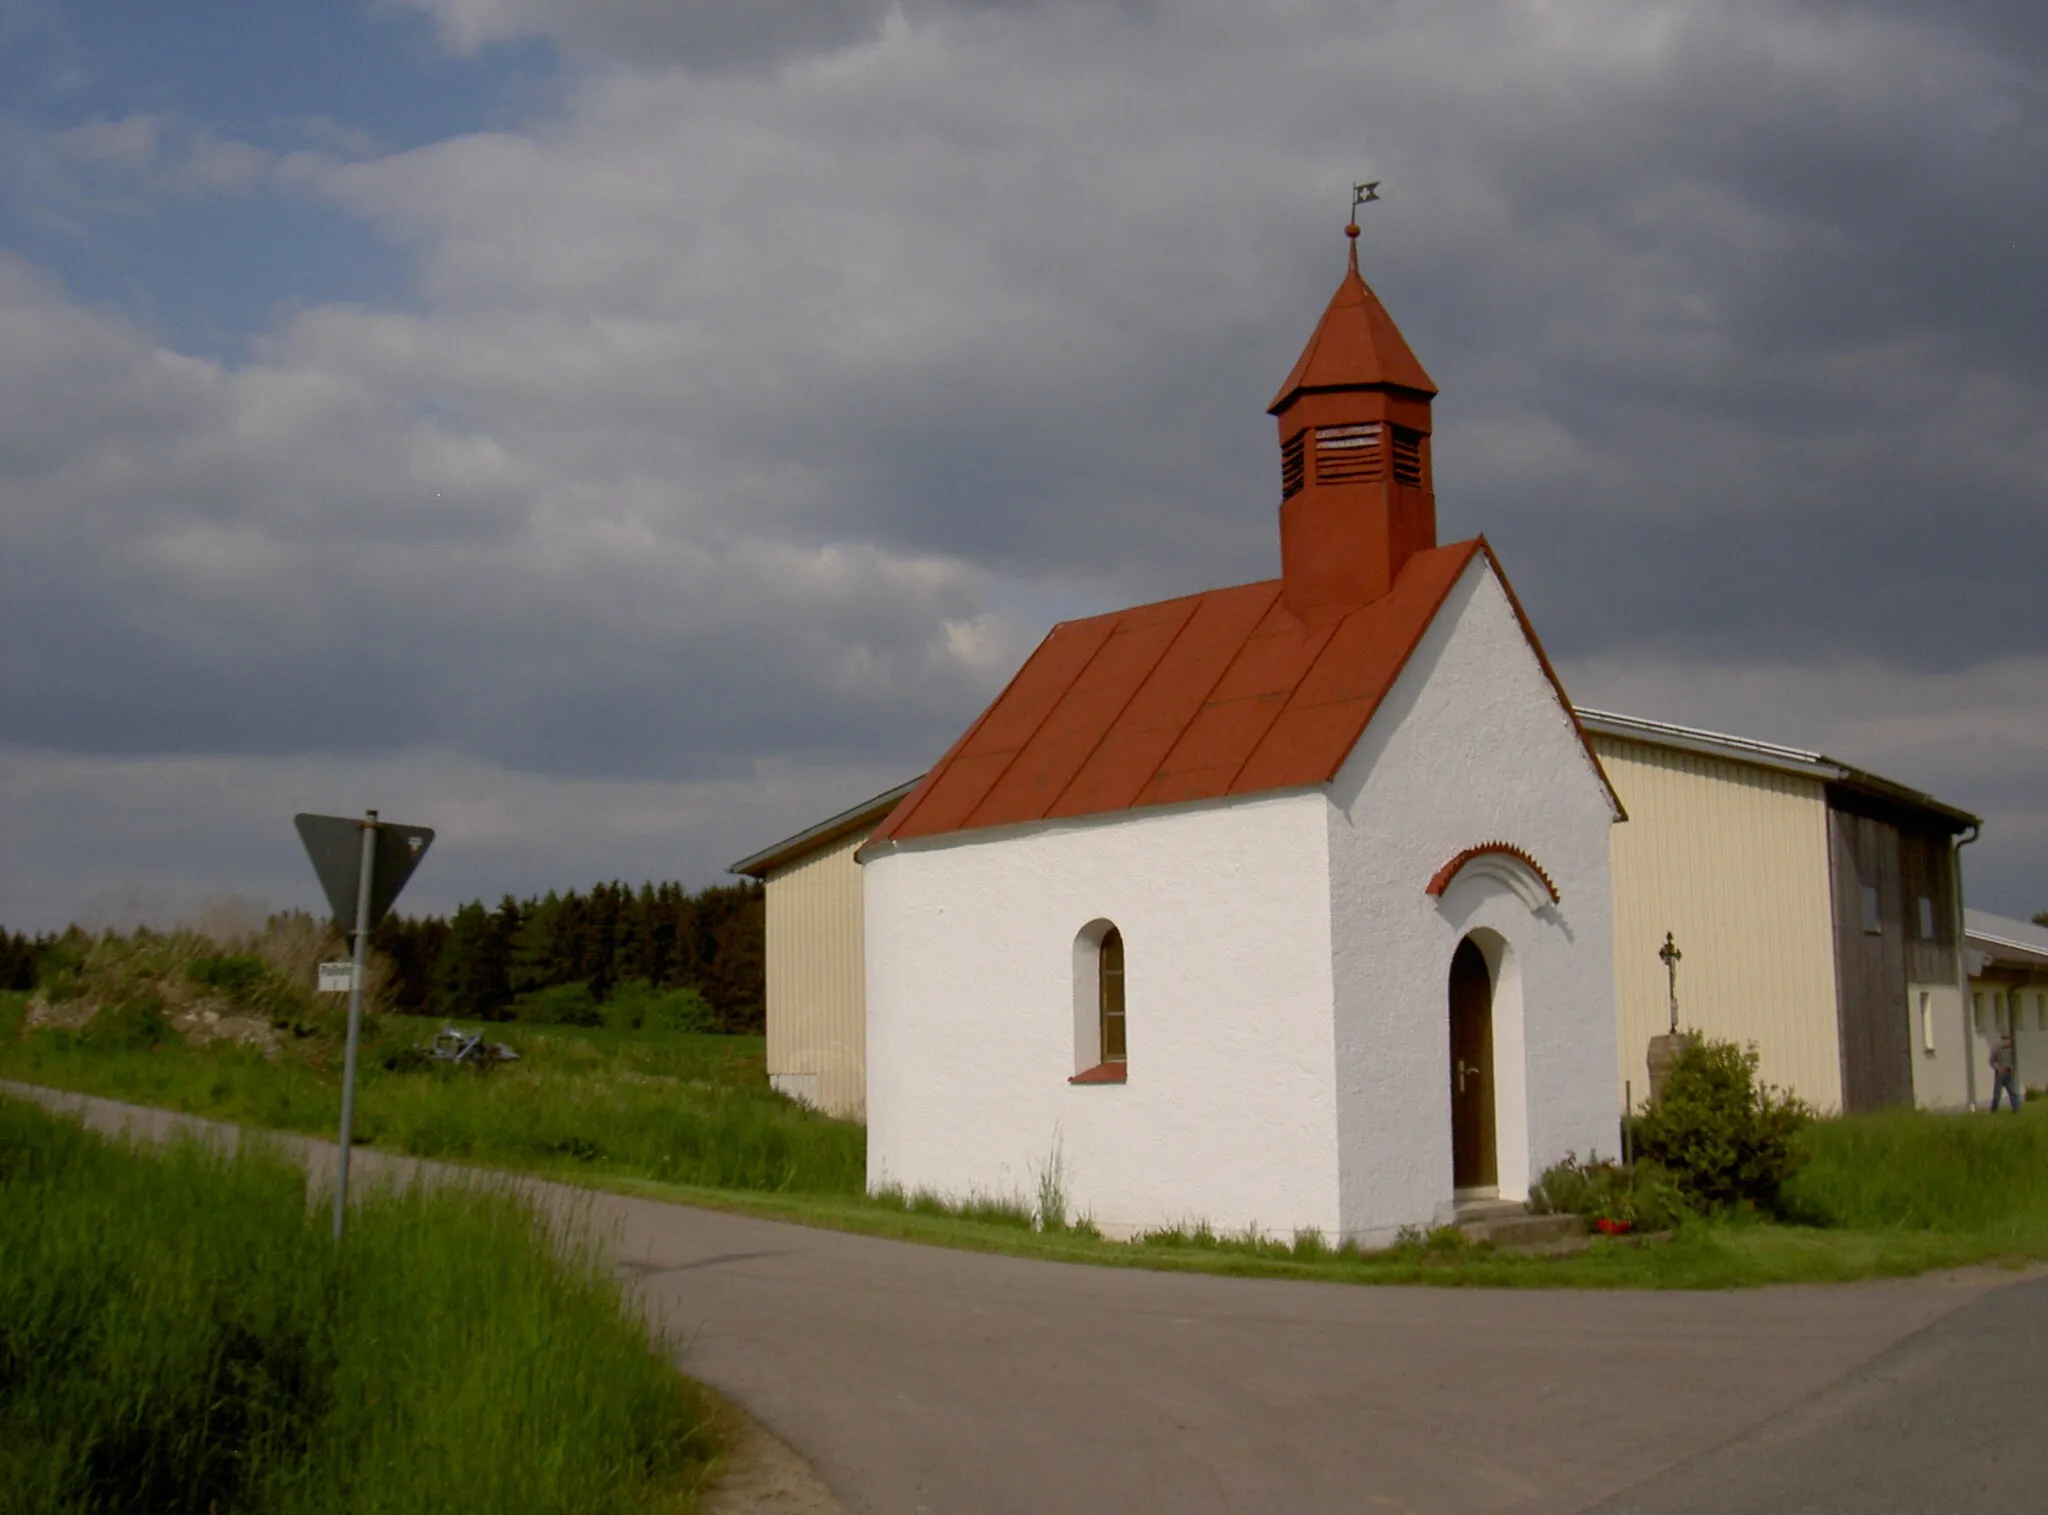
1669	955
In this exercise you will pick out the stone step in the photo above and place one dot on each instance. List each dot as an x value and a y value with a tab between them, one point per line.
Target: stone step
1511	1228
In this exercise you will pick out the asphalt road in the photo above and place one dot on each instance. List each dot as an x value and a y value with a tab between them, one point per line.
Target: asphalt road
1949	1419
921	1381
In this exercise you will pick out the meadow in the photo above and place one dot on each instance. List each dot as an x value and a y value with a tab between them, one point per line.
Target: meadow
231	1032
179	1332
690	1117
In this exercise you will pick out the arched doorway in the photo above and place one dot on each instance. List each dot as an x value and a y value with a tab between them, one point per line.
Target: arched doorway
1474	1165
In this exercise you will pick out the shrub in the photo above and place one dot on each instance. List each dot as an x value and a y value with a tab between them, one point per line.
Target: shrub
561	1005
1724	1138
1644	1195
637	1005
60	967
136	1025
236	978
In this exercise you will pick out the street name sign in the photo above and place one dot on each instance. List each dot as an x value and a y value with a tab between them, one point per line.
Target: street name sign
337	978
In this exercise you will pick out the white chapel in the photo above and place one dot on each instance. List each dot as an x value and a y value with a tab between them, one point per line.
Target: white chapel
1284	905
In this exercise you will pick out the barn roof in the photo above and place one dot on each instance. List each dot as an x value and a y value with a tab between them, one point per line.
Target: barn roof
832	829
1214	694
1847	785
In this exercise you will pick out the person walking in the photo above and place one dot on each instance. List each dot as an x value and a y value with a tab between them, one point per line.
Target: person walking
2004	1073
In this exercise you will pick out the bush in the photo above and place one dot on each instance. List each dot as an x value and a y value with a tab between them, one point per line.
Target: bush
136	1025
1724	1138
236	978
637	1005
561	1005
60	967
1644	1195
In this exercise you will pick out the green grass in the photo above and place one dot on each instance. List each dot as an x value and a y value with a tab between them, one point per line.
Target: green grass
690	1118
179	1333
674	1106
1950	1175
1701	1255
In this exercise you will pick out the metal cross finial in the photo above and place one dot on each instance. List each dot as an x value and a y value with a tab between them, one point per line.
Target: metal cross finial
1669	955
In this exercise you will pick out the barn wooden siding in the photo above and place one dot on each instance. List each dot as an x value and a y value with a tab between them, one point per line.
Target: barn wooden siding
1882	960
1732	858
817	979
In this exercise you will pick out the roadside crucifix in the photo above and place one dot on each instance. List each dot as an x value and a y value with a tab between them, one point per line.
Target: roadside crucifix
1669	955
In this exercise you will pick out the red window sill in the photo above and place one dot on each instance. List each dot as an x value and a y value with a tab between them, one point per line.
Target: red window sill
1101	1073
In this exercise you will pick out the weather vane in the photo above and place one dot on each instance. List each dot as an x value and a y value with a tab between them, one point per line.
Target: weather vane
1361	194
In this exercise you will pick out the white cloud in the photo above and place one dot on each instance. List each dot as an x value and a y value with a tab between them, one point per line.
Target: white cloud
161	154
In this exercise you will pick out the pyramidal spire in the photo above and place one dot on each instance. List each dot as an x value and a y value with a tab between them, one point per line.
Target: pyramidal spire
1355	344
1354	420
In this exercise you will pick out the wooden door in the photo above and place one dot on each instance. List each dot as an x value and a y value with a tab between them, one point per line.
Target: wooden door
1472	1151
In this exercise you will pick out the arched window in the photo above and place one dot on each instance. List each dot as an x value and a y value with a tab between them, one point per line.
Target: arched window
1100	1044
1109	973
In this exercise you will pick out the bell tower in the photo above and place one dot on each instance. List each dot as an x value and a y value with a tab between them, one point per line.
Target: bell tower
1356	501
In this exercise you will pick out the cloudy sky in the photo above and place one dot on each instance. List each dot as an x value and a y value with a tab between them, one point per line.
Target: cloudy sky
619	432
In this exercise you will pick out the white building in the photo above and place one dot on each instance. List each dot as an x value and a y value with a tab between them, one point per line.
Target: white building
1284	905
2008	967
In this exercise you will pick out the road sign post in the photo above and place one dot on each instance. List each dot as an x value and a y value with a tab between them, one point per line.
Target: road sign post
369	887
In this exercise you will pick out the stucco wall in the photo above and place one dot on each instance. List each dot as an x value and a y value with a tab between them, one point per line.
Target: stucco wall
1941	1081
1733	860
1226	1115
1471	746
1996	1003
817	1020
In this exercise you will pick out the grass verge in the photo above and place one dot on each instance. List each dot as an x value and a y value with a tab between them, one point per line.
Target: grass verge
179	1333
690	1119
674	1106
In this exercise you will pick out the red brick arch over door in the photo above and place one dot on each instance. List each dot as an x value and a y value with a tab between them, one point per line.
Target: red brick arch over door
1505	863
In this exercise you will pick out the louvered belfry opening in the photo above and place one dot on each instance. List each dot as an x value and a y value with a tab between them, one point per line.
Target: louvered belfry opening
1293	472
1356	500
1351	454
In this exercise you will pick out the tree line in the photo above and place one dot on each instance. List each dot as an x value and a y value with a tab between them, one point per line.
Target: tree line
483	961
479	963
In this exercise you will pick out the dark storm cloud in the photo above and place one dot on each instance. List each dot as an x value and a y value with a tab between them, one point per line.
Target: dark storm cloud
756	400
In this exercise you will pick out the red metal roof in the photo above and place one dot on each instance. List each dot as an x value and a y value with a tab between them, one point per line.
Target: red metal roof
1356	345
1209	695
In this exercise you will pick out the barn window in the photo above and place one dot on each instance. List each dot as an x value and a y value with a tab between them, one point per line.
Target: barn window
1926	1021
1873	921
1926	918
1977	1013
1100	1042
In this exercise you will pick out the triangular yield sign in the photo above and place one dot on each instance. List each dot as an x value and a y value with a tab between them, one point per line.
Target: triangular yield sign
335	844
